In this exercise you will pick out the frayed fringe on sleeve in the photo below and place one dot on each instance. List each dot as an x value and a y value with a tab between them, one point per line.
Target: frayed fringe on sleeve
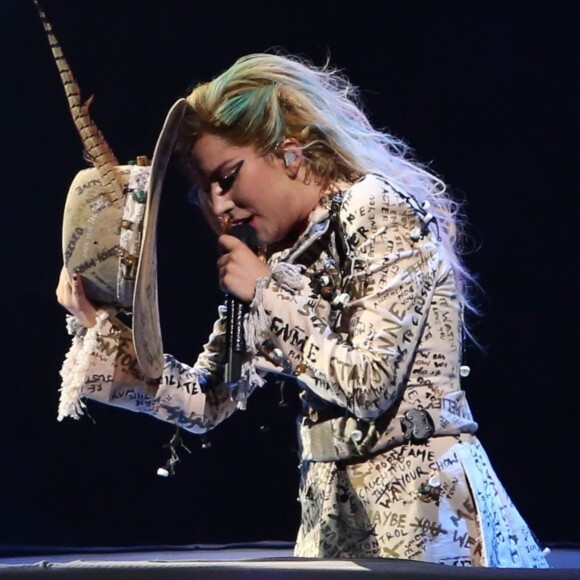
74	327
75	366
288	277
251	379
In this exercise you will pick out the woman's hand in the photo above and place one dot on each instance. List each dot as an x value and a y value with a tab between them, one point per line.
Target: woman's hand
239	268
71	295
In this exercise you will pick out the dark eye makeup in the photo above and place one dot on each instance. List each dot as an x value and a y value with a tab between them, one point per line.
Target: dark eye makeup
228	180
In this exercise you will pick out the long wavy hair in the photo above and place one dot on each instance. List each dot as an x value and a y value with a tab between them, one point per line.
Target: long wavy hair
263	99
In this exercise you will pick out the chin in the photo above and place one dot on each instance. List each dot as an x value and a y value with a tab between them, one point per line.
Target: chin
266	240
269	237
273	237
265	237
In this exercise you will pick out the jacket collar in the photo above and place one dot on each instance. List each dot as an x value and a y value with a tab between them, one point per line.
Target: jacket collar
318	222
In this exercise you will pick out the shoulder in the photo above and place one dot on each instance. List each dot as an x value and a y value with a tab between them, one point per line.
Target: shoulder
373	206
372	199
369	188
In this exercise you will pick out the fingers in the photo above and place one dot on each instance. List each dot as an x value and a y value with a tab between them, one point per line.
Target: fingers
63	277
78	288
227	243
70	294
63	280
239	268
63	290
233	254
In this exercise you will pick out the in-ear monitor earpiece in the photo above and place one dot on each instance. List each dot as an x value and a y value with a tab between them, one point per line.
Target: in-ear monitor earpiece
289	158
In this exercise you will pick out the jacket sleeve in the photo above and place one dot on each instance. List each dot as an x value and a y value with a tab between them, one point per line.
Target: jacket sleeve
102	365
390	277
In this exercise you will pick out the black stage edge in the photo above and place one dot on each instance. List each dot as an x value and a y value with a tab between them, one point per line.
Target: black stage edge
262	560
273	569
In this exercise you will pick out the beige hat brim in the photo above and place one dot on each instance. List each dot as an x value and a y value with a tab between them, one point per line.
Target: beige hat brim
146	325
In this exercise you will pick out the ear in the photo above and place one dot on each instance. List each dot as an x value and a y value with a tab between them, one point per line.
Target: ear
290	151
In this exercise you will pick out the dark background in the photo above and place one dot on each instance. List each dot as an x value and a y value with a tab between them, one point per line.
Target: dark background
483	90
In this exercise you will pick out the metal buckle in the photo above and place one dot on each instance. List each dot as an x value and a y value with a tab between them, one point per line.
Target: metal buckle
417	425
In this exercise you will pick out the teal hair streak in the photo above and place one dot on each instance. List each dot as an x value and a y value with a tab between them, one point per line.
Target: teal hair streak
258	112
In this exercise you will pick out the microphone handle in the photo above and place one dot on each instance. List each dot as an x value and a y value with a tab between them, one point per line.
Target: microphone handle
236	309
235	343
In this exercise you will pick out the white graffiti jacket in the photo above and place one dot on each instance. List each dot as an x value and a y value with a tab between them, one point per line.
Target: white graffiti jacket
362	311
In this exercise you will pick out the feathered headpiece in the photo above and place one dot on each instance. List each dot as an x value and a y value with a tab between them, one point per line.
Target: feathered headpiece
110	220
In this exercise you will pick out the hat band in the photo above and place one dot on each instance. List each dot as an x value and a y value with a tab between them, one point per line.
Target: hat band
130	237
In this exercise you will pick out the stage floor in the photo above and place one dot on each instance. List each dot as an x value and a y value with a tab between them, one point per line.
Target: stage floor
268	560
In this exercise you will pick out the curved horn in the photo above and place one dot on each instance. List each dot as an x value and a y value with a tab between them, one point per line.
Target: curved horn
97	149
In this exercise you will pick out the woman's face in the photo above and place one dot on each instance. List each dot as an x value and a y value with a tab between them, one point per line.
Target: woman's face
246	186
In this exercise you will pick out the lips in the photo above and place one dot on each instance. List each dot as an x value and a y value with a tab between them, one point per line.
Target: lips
248	220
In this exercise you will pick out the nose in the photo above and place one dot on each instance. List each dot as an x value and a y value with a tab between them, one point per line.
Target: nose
221	202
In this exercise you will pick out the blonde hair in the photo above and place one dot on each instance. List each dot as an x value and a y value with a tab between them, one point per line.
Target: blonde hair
263	99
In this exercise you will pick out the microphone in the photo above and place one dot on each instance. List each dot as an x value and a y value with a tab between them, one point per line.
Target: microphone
236	309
